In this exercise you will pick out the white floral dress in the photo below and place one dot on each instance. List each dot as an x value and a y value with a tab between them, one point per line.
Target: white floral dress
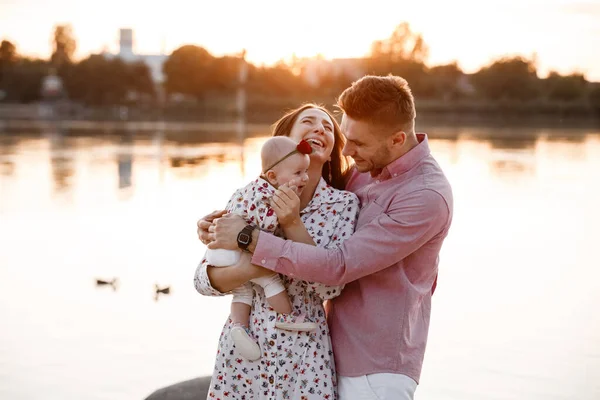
293	365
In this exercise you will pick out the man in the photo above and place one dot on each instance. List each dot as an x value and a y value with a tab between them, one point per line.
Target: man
379	323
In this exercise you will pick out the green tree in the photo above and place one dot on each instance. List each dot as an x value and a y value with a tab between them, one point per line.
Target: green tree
224	73
140	79
565	87
8	58
404	54
402	45
99	81
64	44
594	97
23	81
188	70
445	81
512	78
278	80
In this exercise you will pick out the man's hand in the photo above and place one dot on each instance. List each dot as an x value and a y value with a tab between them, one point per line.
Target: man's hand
223	232
205	222
286	204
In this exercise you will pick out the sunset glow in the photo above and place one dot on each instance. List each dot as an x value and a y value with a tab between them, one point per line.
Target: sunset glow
563	34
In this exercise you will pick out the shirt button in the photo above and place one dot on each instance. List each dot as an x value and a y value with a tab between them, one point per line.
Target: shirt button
377	181
263	262
395	175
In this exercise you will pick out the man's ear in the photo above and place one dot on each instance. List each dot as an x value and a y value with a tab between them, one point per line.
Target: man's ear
399	138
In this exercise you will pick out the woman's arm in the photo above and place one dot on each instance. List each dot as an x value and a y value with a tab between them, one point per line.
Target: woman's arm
213	281
228	278
202	282
219	281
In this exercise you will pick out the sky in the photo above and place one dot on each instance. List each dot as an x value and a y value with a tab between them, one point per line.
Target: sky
564	35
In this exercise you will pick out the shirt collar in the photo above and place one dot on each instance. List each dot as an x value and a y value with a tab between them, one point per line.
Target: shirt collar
408	160
324	194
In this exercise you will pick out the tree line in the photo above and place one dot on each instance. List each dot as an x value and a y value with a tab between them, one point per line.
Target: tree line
193	73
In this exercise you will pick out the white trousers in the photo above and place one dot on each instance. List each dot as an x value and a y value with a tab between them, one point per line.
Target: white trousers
271	284
376	387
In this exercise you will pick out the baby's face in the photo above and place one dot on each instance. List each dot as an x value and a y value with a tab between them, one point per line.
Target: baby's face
294	170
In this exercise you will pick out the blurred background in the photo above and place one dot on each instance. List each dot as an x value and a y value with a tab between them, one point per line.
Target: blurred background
122	123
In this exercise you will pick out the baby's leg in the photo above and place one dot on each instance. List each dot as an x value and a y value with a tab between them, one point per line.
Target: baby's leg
240	313
275	293
221	257
241	305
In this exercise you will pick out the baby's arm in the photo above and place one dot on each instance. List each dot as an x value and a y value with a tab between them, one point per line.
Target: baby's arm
297	232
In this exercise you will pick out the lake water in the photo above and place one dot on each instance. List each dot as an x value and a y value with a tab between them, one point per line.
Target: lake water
515	315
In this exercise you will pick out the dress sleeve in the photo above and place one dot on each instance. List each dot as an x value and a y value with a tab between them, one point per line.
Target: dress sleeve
201	280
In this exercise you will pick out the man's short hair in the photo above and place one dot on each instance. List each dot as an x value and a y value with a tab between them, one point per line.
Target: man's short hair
380	100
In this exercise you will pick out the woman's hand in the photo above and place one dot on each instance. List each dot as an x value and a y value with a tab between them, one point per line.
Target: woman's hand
205	222
286	204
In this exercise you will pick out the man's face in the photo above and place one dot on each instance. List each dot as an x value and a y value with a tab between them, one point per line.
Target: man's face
370	151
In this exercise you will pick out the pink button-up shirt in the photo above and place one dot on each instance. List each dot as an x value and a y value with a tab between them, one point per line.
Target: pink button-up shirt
380	321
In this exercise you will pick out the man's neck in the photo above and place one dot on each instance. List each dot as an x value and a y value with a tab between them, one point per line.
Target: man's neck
410	143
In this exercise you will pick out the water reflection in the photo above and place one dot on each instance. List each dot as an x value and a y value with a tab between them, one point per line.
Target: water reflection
182	161
8	146
125	160
61	158
518	247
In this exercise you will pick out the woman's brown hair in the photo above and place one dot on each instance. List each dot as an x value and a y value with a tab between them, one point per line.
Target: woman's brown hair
339	163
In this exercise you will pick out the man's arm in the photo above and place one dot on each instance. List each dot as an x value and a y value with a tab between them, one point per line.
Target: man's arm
407	225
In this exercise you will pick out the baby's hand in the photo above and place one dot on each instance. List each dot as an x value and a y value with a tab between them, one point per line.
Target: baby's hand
286	204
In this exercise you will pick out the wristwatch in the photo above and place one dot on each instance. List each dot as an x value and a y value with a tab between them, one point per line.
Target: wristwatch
244	238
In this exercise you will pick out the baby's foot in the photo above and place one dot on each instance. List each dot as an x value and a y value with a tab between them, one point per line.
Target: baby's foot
297	323
245	345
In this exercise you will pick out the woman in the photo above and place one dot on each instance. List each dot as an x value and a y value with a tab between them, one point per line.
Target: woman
293	365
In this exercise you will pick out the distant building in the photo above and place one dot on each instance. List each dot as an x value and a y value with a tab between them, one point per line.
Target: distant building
126	53
52	86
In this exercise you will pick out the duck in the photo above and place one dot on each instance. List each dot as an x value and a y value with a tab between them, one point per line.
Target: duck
103	282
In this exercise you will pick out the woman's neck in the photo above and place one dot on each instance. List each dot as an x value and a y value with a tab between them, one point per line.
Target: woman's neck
314	177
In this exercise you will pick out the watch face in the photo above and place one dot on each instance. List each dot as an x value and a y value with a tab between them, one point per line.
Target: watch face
244	238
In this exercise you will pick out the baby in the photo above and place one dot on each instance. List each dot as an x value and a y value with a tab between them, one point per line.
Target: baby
283	161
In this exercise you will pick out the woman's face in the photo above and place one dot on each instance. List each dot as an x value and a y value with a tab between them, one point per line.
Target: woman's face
316	127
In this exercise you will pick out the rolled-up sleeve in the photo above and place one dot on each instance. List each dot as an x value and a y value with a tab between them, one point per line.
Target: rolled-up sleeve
201	280
402	228
202	283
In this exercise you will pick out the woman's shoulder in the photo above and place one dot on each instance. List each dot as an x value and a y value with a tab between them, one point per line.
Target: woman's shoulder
326	193
342	195
345	194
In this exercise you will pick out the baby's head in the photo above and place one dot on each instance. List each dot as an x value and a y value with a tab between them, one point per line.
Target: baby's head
284	160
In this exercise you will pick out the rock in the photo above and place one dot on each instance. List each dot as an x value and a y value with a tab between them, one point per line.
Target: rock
194	389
